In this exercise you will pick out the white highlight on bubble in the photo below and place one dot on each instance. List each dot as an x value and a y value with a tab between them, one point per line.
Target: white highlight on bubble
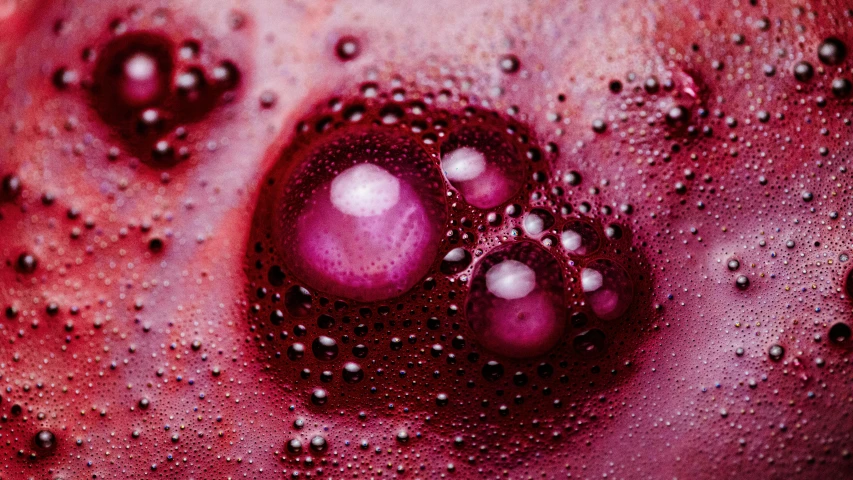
140	68
510	280
534	224
463	164
571	240
591	280
455	255
365	190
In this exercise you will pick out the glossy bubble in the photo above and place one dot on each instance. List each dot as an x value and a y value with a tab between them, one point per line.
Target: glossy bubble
515	303
579	238
607	288
134	71
366	212
482	165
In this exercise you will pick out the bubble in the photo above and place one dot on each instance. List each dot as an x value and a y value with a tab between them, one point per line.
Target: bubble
509	63
352	372
515	306
134	71
319	397
455	261
841	87
493	371
324	348
26	263
742	282
294	446
607	288
372	230
839	333
803	71
10	188
538	221
776	352
482	165
590	343
832	51
347	48
296	351
44	441
318	443
297	301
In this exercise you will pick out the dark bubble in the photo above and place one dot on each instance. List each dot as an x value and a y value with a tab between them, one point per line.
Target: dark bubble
44	441
615	86
803	71
613	231
347	48
10	188
733	264
841	87
325	321
297	301
319	397
324	348
678	116
832	51
276	317
296	351
589	343
455	261
26	263
776	352
359	351
651	85
493	371
318	443
275	276
544	370
509	63
294	446
742	282
352	372
839	333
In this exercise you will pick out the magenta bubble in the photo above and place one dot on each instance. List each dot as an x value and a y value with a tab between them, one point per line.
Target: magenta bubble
363	216
482	165
607	288
515	305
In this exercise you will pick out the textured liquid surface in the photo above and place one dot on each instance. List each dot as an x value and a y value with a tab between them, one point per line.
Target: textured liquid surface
551	240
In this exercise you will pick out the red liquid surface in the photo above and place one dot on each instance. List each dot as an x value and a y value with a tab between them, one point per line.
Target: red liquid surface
364	240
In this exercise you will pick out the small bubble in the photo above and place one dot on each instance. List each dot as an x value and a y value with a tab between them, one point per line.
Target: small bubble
832	51
44	441
509	63
347	48
776	352
803	71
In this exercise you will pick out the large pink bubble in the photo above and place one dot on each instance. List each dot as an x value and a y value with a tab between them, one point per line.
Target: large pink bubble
367	226
515	306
